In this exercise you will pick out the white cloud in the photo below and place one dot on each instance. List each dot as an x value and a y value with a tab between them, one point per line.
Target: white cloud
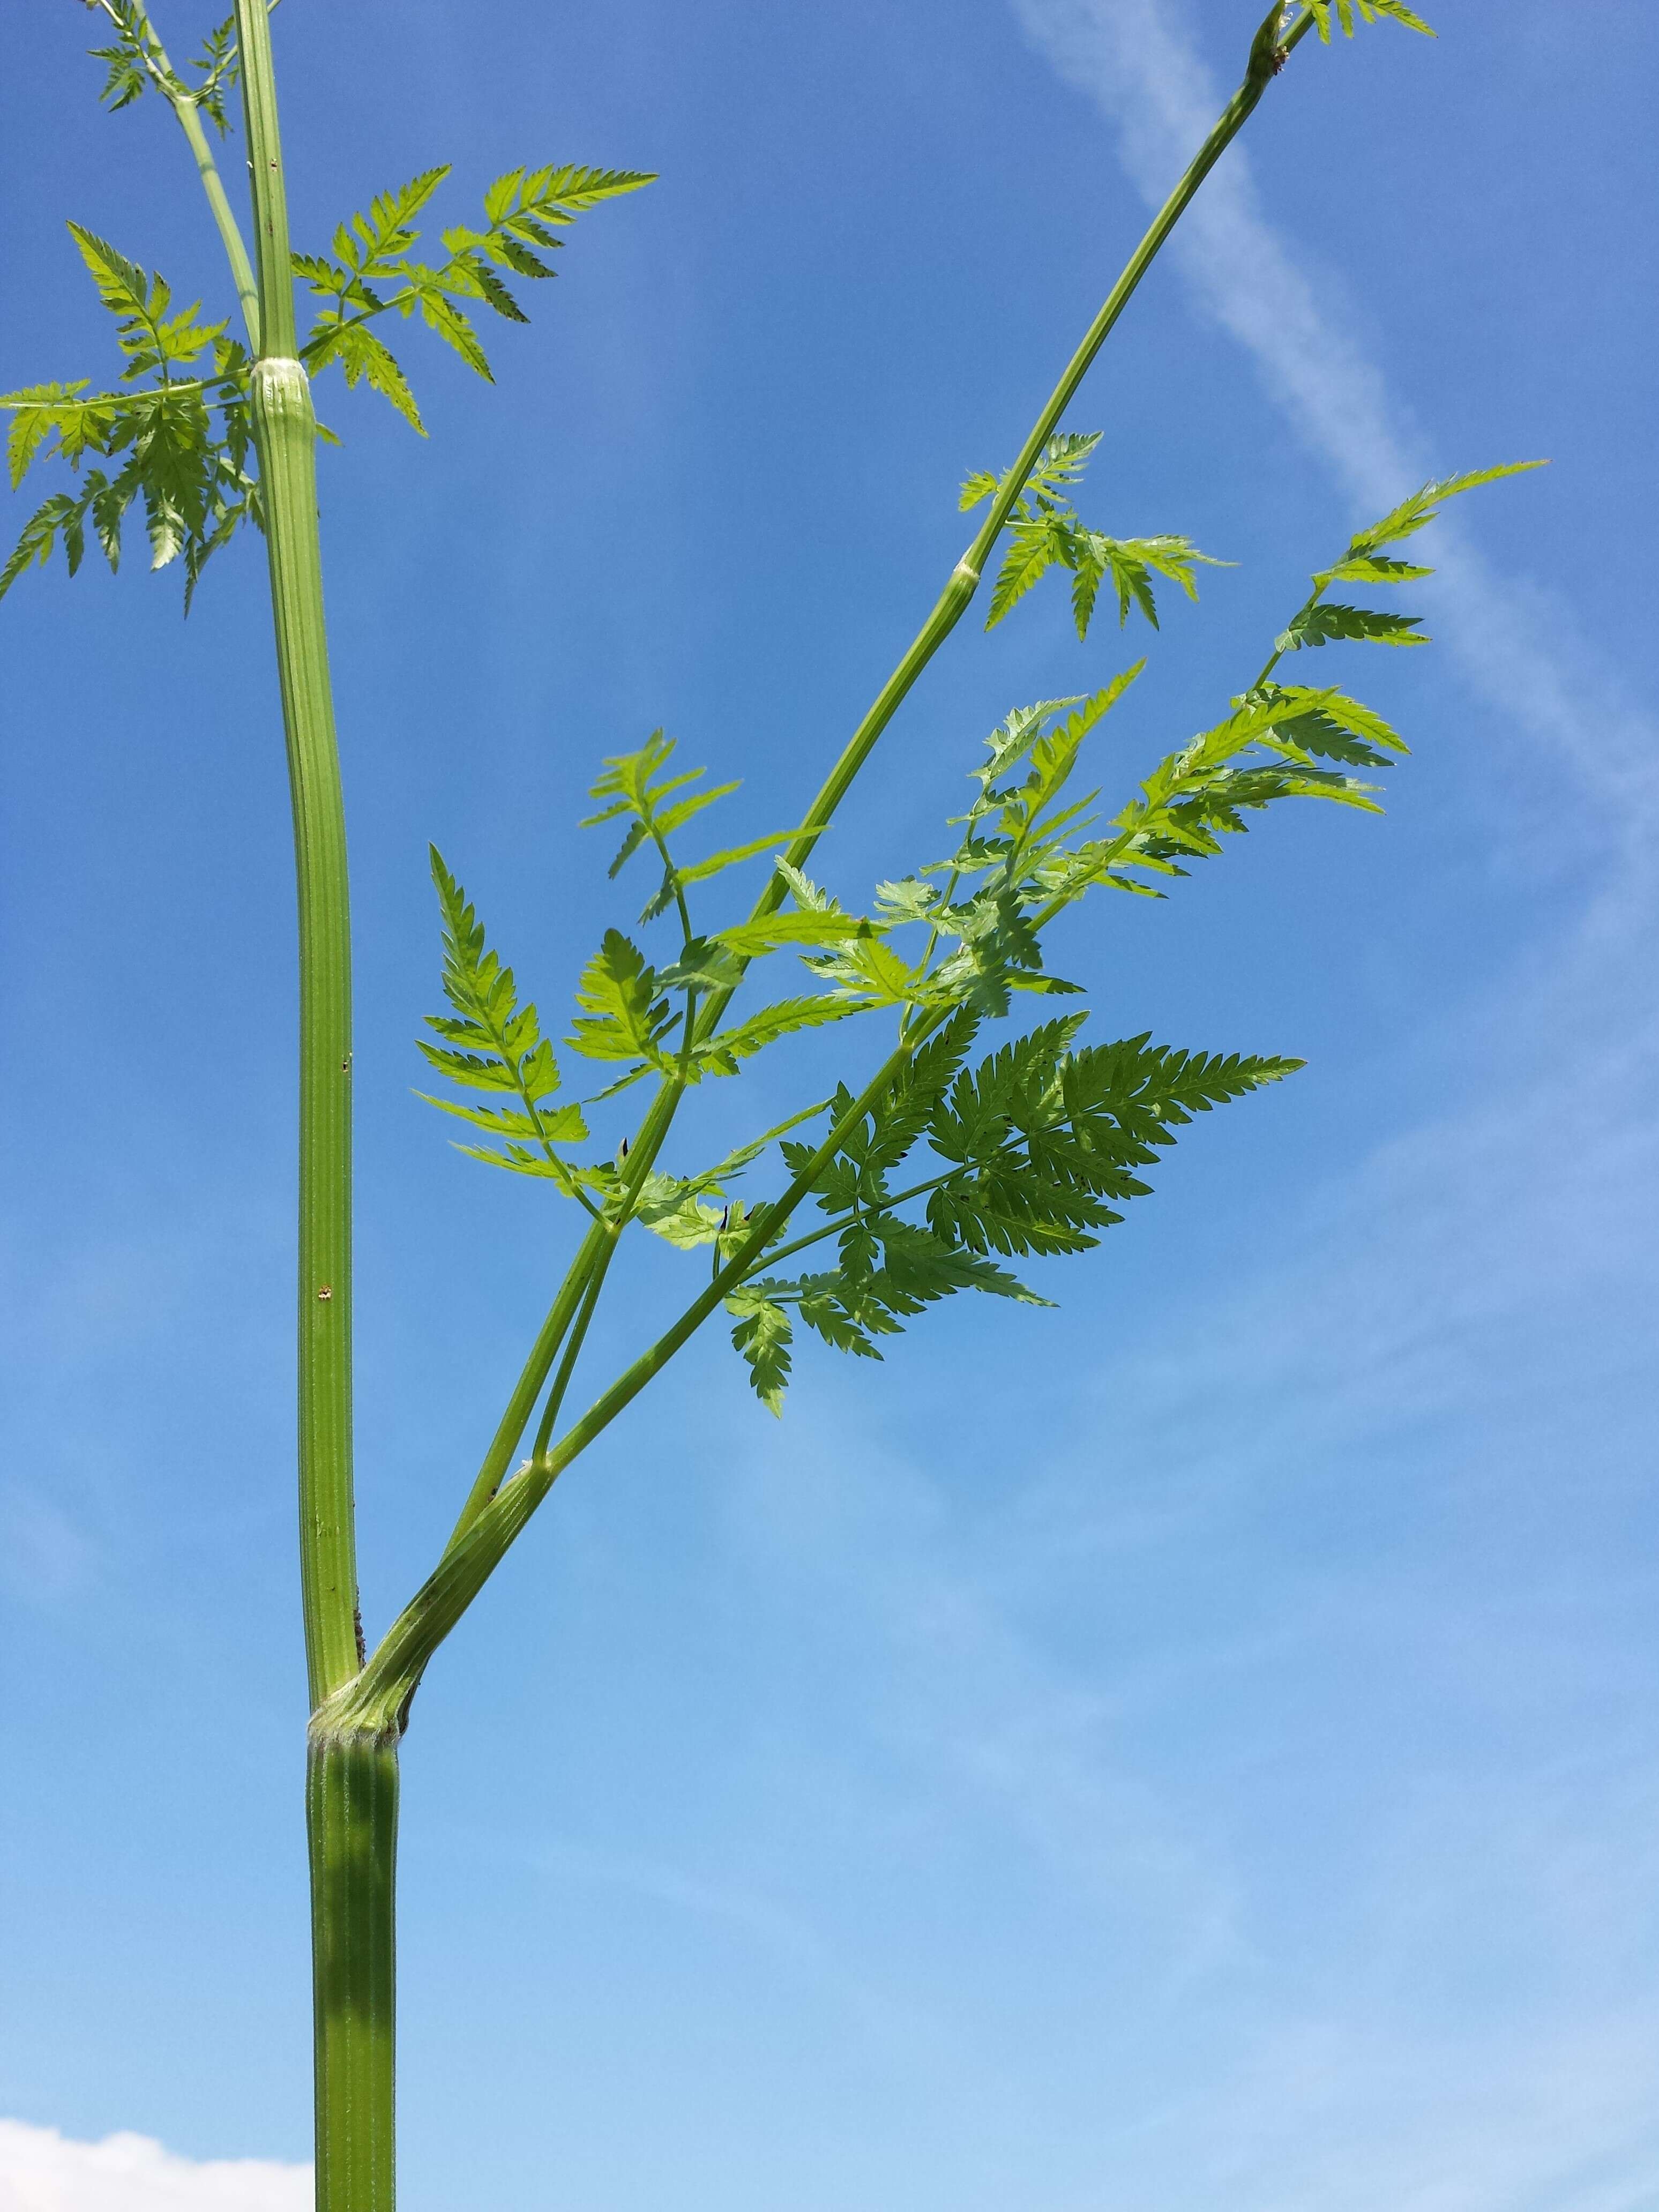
41	2171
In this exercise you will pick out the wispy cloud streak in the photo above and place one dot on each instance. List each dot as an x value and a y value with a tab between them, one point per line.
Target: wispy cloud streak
1463	2019
1515	640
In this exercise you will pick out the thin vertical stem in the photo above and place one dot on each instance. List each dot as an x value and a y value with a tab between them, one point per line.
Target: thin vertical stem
285	434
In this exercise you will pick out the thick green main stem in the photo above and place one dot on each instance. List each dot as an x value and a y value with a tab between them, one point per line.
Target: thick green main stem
352	1774
351	1828
1267	52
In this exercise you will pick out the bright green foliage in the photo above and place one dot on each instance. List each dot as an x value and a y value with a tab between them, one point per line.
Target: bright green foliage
941	1170
375	269
492	1043
1414	513
1044	532
1024	852
719	1054
193	484
1014	834
1367	11
194	481
930	1168
1024	1155
677	1207
763	1335
1325	619
154	342
639	793
626	1015
679	1212
1045	1135
1260	753
1319	620
136	62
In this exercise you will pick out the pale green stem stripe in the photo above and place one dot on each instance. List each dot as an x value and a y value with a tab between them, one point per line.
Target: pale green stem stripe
241	273
164	76
1266	52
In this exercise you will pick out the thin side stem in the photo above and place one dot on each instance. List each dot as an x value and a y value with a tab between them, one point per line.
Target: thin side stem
382	1691
241	272
168	84
844	1220
593	1252
1266	57
572	1350
528	1388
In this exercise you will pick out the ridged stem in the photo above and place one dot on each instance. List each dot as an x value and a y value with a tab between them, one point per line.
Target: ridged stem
351	1827
284	429
351	1773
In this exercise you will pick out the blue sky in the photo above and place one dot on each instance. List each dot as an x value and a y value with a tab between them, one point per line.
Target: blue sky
1198	1743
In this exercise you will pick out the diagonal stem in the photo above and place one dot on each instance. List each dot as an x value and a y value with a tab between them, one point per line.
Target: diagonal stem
171	86
379	1697
1268	51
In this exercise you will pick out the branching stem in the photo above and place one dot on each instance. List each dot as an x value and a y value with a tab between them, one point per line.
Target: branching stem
1267	52
592	1253
381	1691
856	1213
